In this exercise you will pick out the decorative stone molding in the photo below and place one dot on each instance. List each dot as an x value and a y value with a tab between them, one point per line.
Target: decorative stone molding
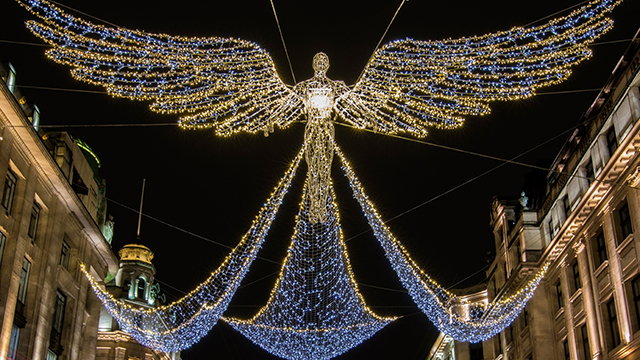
579	246
634	178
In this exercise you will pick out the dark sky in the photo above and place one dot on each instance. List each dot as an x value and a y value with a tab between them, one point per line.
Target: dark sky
213	187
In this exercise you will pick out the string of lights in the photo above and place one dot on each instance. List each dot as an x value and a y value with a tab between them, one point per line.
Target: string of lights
225	83
451	314
315	311
182	323
408	85
231	85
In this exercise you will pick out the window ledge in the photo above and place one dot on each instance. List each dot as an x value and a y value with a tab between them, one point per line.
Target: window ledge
624	244
559	313
575	295
600	269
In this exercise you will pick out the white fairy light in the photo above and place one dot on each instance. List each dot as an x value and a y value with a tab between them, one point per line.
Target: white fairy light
315	310
231	85
481	322
182	323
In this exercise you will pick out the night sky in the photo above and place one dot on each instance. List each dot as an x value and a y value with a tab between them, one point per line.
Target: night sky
203	189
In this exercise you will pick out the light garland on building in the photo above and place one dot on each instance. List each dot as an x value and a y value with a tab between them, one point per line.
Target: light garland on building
232	85
182	323
479	322
315	310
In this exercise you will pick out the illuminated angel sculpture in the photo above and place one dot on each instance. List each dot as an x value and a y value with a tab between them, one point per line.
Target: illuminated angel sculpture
231	85
408	85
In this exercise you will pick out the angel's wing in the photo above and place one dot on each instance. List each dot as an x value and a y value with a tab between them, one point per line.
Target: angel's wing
410	85
225	83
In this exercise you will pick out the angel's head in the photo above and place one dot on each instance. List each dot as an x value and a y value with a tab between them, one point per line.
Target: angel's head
320	63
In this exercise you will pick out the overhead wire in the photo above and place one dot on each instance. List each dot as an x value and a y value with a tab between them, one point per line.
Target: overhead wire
556	13
184	230
510	161
283	42
83	13
381	39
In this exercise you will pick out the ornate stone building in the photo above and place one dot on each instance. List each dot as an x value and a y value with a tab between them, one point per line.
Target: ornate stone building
585	221
51	218
134	284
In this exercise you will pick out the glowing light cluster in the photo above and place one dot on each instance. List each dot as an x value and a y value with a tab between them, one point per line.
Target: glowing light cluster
410	85
315	310
182	323
231	85
225	83
407	86
480	322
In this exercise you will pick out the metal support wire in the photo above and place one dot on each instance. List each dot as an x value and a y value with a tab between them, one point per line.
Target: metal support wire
283	43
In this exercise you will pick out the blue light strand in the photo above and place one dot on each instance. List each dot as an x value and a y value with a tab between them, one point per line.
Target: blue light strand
227	84
410	85
231	85
479	321
182	323
315	310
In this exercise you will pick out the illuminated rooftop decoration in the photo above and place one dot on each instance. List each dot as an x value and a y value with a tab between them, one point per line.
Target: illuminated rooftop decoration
136	252
315	310
480	321
231	85
182	323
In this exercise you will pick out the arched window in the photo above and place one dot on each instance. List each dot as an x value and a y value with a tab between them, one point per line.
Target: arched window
142	288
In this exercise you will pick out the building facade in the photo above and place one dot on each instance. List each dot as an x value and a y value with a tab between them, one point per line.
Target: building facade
133	284
49	215
583	219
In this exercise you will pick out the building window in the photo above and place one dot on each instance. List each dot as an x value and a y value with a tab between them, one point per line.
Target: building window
13	342
575	271
24	282
612	318
635	293
584	337
567	206
55	340
58	312
65	255
33	222
475	351
559	295
51	355
552	230
600	247
588	172
142	287
508	335
11	78
567	352
35	117
623	223
525	317
63	158
9	190
612	141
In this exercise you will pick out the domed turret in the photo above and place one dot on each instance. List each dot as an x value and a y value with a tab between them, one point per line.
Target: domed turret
136	273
